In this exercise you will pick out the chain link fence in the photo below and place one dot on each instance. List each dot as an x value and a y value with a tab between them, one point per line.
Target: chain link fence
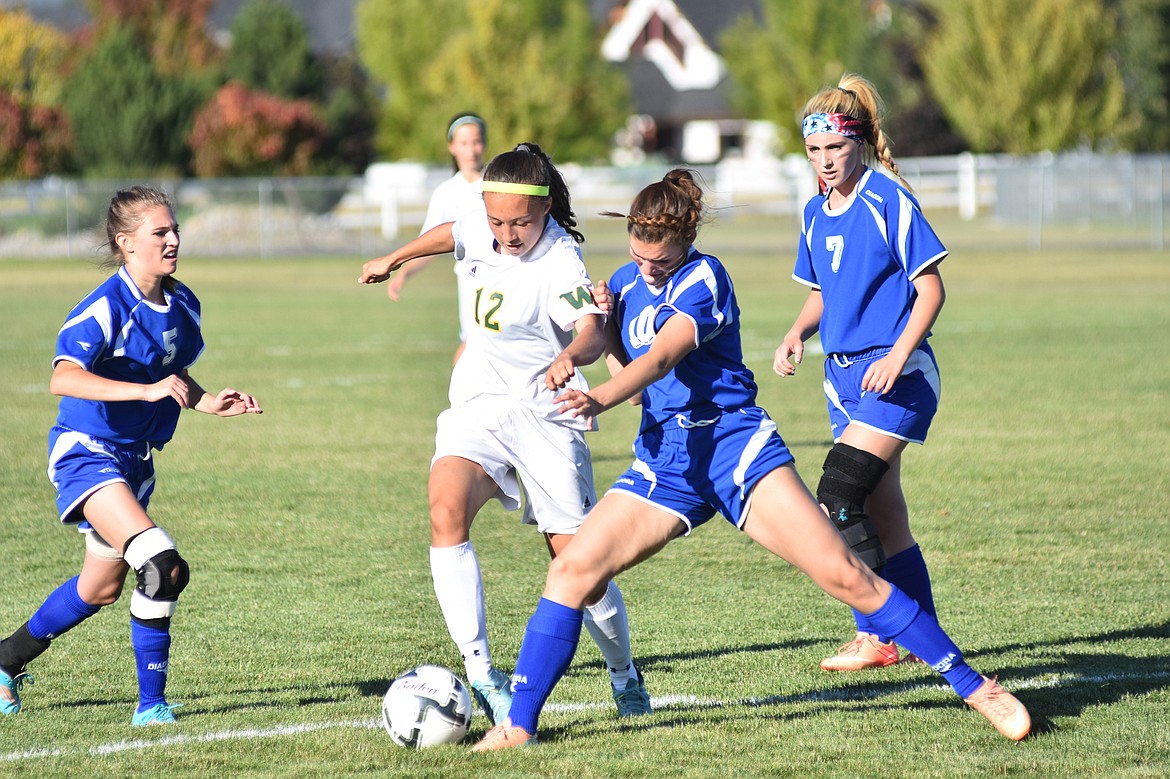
1116	200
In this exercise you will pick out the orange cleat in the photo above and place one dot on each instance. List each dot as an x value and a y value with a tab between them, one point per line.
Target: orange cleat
504	736
863	652
1003	709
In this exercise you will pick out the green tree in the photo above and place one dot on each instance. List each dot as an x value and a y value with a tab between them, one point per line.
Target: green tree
1021	76
529	67
173	31
34	140
127	116
245	132
779	61
1144	54
350	112
32	57
270	51
396	39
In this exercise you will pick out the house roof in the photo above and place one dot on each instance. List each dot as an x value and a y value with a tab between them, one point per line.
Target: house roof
669	50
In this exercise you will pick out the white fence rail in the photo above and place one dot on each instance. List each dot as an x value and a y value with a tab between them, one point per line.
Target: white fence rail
1124	197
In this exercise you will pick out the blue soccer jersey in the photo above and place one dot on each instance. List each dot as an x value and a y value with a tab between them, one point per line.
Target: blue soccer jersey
709	379
863	258
116	334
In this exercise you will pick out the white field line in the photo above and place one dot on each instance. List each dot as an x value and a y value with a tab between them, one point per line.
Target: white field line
659	702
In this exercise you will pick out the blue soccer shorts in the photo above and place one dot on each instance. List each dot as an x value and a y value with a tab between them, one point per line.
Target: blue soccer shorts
80	465
695	470
905	412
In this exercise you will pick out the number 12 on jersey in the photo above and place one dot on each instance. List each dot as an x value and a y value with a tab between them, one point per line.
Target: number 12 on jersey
488	319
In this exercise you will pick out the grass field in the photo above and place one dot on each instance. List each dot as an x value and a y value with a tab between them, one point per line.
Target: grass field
1040	503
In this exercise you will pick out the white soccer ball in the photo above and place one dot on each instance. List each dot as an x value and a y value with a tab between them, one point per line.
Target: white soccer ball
426	706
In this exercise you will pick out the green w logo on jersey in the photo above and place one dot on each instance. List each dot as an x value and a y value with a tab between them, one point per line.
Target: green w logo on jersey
580	297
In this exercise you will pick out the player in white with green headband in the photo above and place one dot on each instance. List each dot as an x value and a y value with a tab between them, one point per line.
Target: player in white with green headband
466	141
503	437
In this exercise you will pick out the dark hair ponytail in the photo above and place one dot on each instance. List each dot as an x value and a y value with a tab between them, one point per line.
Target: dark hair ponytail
528	164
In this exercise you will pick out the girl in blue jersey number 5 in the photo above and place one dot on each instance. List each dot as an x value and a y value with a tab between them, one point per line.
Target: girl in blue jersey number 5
704	447
872	263
121	371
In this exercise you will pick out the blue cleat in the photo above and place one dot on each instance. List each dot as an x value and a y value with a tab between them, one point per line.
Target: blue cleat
158	714
9	687
633	701
494	695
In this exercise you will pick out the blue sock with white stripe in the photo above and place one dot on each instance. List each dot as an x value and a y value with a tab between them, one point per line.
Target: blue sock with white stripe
62	610
901	618
152	649
549	645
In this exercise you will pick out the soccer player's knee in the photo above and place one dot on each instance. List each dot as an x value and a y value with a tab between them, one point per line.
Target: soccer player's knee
850	475
162	573
566	574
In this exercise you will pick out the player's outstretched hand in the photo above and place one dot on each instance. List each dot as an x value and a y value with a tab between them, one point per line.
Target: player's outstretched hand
603	297
788	355
577	404
231	403
375	271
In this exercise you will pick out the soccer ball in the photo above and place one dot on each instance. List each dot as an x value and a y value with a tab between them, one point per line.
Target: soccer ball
426	706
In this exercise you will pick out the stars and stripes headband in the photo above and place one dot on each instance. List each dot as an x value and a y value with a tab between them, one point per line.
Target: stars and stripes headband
838	124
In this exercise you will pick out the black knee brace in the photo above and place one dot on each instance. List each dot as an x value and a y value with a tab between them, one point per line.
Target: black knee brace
162	573
164	576
850	476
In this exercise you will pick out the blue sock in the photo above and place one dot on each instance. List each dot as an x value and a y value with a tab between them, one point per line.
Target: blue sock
62	610
152	649
901	618
548	648
906	571
863	624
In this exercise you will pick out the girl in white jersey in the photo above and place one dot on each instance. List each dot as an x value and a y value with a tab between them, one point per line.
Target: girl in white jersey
872	261
121	369
466	141
503	436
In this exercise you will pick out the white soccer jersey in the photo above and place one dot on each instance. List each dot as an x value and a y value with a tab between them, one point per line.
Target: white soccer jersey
451	199
522	312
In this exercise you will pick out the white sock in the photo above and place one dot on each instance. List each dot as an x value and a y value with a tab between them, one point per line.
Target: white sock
459	588
609	625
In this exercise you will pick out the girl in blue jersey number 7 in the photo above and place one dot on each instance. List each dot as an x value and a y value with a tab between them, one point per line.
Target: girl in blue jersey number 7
704	447
872	263
121	371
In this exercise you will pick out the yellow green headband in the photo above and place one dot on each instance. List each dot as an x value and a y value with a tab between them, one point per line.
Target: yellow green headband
508	188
